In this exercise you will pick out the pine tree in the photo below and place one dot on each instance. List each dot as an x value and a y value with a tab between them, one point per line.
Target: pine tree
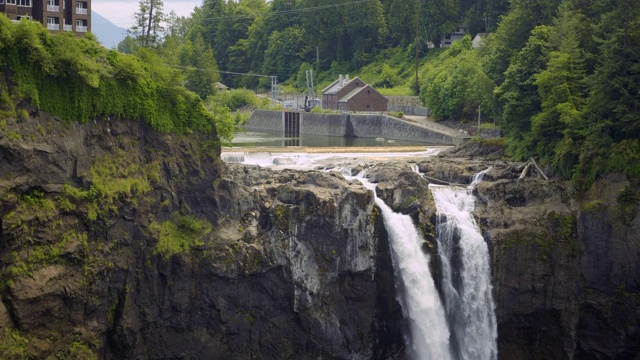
562	90
148	22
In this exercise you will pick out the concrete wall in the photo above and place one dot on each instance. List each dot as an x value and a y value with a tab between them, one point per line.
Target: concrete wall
265	120
324	124
374	126
364	126
411	110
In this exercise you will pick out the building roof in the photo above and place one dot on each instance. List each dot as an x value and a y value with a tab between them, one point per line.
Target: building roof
335	86
356	91
331	88
353	93
478	40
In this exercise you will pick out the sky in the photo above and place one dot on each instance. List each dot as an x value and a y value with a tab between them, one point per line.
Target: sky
121	12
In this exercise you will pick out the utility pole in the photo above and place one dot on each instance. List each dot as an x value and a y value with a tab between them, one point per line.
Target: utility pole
479	110
416	45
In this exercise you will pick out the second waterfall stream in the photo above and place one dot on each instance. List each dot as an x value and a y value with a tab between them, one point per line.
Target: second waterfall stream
462	325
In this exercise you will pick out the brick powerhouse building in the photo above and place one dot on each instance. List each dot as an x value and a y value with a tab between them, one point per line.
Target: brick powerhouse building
56	15
352	95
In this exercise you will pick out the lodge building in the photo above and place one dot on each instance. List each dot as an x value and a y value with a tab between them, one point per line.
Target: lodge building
56	15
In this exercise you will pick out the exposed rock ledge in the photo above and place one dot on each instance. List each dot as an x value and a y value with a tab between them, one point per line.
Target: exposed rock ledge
297	263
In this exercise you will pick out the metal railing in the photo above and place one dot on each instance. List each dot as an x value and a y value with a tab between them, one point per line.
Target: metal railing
81	28
66	27
53	26
82	11
53	8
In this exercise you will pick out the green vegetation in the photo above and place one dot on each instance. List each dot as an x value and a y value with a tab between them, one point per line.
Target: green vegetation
12	135
114	176
78	80
558	76
317	110
78	350
239	99
179	234
13	346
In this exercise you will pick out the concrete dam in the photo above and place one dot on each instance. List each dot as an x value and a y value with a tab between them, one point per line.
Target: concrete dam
353	126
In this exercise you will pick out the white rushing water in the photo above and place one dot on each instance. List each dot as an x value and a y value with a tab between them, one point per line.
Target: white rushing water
466	274
462	325
303	160
420	301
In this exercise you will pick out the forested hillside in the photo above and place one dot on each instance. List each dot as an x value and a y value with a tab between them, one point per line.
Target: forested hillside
561	77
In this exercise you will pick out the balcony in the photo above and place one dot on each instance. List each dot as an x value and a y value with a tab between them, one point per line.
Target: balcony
82	11
66	27
81	28
53	8
53	26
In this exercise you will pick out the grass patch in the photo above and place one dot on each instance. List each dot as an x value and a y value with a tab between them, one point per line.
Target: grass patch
13	345
114	177
12	135
488	126
501	141
179	234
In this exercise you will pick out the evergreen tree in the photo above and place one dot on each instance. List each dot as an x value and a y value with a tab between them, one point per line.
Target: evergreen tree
518	95
148	22
561	87
202	69
612	119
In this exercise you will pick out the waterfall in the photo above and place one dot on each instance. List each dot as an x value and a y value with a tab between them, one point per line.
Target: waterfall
466	276
420	302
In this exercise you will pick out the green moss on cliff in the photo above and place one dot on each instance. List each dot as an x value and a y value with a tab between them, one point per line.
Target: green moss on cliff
555	236
179	234
13	345
115	177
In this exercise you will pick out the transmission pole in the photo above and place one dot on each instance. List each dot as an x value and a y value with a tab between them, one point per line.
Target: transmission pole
416	45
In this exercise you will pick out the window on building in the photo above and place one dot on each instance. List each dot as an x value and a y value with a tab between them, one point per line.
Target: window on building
11	2
1	1
24	3
368	92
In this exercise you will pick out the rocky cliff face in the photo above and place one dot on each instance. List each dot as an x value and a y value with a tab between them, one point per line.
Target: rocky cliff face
566	266
117	242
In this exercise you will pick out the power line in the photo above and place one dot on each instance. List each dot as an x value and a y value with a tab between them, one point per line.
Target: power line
274	79
282	12
220	71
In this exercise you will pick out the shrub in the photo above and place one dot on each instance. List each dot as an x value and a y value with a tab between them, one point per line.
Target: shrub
84	81
235	99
